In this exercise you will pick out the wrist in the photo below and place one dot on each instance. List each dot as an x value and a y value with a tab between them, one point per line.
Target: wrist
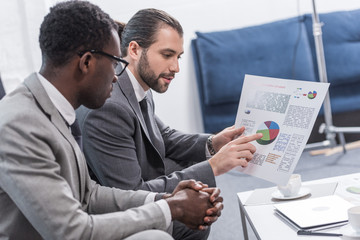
166	195
210	146
212	162
175	210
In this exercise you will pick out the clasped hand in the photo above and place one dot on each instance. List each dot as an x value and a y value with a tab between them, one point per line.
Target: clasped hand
194	204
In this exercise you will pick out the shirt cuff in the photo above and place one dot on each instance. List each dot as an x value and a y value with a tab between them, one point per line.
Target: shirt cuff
207	152
150	198
166	211
164	206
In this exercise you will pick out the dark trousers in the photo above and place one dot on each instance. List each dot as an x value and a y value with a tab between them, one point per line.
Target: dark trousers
181	232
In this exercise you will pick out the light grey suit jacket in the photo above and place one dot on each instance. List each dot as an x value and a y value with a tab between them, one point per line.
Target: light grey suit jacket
45	190
118	148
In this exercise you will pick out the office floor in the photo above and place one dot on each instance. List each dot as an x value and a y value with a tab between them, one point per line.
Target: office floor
310	167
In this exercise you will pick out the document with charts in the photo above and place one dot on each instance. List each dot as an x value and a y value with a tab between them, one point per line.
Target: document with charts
284	111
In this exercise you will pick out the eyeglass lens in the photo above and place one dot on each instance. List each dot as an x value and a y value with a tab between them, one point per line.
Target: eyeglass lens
119	69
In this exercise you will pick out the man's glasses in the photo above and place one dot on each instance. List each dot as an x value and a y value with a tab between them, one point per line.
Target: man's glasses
120	66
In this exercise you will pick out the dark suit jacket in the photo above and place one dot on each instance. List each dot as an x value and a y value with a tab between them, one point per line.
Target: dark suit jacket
119	151
45	189
2	90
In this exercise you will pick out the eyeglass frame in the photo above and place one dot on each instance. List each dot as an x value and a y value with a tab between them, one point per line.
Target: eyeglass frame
118	59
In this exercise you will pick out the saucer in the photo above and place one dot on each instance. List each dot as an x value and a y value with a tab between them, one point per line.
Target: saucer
303	192
349	233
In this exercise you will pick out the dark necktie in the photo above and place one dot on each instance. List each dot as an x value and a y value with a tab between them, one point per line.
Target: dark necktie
76	132
151	126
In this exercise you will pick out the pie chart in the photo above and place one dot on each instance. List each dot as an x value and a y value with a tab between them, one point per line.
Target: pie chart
312	95
270	130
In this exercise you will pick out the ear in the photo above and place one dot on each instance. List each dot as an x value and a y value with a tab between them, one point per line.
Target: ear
85	63
134	50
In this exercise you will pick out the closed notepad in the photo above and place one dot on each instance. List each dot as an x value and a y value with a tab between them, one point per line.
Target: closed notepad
315	212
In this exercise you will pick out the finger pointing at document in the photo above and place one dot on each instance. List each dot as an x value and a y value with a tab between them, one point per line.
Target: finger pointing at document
237	152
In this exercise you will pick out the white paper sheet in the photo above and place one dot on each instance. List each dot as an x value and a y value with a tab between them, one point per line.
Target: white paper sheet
285	112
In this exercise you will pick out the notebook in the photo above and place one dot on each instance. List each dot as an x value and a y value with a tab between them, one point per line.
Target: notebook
314	212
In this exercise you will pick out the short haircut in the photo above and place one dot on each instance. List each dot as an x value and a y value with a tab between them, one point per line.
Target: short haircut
73	26
143	27
121	27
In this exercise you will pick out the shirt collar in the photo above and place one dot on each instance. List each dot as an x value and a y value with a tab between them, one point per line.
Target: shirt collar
139	91
60	102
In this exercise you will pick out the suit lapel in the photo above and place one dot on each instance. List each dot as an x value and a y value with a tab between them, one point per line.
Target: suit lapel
39	93
127	89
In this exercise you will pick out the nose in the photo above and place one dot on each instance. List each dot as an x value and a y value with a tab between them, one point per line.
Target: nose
174	67
115	79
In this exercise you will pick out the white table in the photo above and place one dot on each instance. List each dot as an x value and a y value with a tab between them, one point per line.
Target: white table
267	226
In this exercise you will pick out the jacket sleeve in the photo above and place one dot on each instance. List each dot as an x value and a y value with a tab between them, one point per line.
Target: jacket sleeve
34	162
112	140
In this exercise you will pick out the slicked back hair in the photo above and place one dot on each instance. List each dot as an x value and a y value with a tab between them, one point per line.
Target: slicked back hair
144	26
121	27
73	26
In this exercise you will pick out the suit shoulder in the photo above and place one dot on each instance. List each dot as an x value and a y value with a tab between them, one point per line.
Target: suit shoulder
19	104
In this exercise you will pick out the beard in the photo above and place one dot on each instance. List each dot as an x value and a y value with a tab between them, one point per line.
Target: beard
149	77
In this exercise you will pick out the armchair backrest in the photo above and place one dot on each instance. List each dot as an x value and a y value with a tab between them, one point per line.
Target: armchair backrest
280	49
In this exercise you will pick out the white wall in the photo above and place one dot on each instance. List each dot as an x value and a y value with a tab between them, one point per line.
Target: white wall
179	106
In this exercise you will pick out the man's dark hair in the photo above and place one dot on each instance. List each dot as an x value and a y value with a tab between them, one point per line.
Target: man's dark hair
121	27
144	25
73	26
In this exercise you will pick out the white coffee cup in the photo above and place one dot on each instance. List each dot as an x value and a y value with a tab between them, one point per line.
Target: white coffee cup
293	186
354	218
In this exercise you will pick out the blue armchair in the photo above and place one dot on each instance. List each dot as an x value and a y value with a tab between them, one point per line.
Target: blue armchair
281	49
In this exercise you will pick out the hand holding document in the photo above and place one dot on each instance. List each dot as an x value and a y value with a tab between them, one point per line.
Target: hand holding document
284	111
235	153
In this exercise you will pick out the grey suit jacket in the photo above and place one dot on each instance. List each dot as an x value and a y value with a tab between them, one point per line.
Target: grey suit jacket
118	148
45	190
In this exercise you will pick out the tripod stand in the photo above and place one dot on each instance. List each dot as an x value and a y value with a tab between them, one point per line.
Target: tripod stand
330	130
